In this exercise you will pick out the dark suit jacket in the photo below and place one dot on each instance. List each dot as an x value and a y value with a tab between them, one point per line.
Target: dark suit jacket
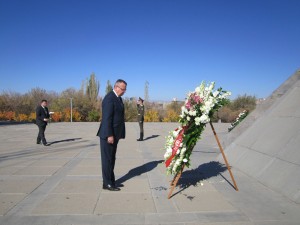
113	121
41	114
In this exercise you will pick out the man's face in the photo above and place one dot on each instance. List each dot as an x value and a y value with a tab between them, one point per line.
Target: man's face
44	104
120	89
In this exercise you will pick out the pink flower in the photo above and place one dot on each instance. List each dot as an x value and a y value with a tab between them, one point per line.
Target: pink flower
188	105
197	99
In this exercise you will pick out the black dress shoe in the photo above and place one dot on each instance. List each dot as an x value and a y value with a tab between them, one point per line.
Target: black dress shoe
110	188
139	139
119	185
38	143
45	144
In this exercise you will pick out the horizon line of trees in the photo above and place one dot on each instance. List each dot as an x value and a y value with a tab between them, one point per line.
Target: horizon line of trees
86	105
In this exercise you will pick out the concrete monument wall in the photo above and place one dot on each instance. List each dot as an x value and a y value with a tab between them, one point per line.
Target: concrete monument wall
266	145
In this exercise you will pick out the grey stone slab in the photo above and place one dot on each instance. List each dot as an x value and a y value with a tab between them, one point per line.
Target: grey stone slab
283	176
250	136
170	218
125	203
8	201
222	223
187	186
94	154
29	220
62	153
290	152
262	203
159	184
272	138
66	204
217	217
85	170
234	153
78	186
20	186
132	218
136	185
90	162
246	163
52	162
128	171
10	170
14	161
130	162
289	107
26	206
276	223
202	201
38	170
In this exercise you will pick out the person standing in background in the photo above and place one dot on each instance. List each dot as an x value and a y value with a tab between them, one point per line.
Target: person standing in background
42	117
112	129
141	112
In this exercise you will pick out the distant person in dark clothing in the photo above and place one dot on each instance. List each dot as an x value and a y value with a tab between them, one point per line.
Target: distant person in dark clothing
42	117
141	112
112	129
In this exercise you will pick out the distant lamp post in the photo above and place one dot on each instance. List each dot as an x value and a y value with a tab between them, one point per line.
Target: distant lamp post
71	99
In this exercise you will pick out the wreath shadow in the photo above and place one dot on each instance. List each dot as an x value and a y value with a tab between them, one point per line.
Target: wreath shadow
204	171
139	170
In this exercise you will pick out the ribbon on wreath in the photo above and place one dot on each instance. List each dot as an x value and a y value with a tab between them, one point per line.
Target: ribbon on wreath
176	145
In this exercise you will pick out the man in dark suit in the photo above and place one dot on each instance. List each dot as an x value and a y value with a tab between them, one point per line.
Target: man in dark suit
112	129
42	117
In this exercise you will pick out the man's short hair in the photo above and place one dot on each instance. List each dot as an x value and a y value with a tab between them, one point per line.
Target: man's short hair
121	81
44	100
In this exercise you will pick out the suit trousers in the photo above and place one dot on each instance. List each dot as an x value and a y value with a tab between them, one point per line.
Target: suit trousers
41	134
141	123
108	159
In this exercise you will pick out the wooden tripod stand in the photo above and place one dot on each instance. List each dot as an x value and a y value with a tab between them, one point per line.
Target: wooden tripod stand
178	175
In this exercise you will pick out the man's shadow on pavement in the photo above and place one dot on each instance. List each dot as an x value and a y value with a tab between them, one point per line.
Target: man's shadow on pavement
65	140
153	136
202	172
137	171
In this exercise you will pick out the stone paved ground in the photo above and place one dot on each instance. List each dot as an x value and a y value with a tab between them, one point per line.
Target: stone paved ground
61	184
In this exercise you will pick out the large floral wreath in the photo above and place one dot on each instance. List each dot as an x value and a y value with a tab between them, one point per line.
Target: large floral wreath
197	111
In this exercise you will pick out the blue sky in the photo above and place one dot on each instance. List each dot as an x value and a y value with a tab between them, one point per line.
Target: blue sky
247	47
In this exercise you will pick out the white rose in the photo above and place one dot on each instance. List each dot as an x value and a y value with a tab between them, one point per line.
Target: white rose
204	118
197	121
192	113
212	85
215	94
177	162
166	155
188	118
183	150
185	160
